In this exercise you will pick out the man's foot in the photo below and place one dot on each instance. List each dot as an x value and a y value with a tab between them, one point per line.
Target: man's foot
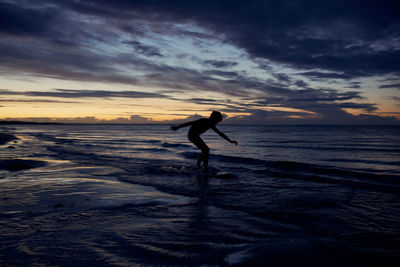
201	168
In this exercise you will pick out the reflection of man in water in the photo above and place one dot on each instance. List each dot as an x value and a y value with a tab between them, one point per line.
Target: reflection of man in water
197	128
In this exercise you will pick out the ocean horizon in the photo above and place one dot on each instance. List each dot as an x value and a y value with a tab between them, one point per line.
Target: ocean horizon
128	194
322	124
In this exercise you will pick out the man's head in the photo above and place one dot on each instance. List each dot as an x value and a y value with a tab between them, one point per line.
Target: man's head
216	116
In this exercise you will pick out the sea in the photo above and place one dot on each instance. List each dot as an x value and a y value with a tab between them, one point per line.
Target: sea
129	195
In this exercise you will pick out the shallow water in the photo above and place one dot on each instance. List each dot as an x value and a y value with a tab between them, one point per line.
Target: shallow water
127	194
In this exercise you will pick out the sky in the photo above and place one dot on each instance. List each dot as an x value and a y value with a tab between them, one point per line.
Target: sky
257	62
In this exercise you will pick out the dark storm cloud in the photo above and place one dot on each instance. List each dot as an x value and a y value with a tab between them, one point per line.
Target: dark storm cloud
394	85
83	64
330	75
323	40
134	119
36	100
220	63
34	58
203	100
186	79
313	95
366	107
328	104
282	77
300	83
354	85
18	20
146	50
352	35
68	93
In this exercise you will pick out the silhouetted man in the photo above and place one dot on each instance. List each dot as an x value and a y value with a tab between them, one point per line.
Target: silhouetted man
197	128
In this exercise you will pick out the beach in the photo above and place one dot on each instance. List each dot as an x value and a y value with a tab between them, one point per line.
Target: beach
126	195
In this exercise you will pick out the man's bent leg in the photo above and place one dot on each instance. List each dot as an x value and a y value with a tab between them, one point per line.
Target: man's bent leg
199	160
199	143
205	157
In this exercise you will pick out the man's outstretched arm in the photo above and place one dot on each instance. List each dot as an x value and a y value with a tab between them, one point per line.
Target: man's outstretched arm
182	125
223	135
